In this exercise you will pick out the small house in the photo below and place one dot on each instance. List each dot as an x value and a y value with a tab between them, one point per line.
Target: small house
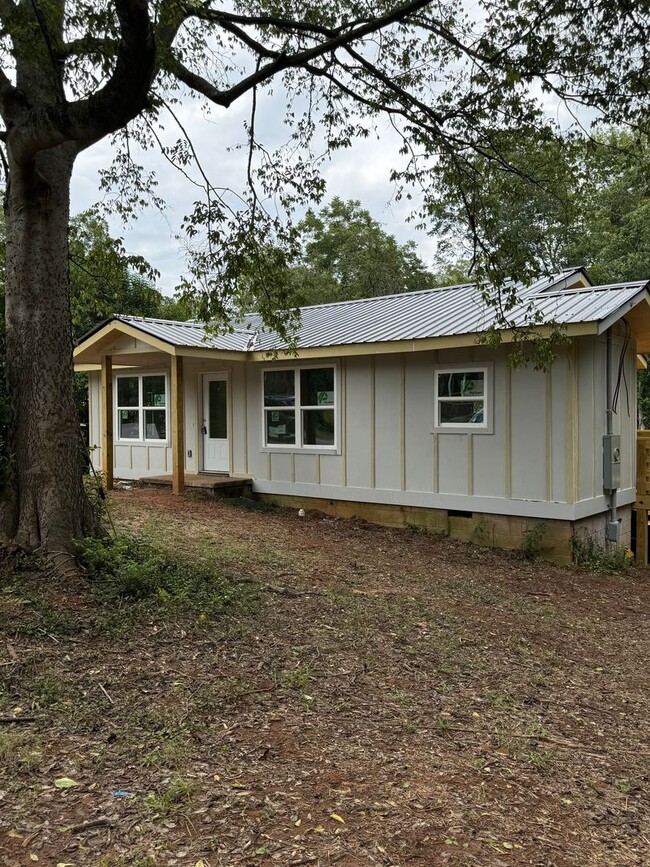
391	409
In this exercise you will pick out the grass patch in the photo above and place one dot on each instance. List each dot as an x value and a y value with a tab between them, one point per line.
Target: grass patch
176	798
126	570
20	750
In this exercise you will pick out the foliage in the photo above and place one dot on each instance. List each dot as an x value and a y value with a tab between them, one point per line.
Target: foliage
588	553
104	278
531	540
345	254
611	231
128	570
589	205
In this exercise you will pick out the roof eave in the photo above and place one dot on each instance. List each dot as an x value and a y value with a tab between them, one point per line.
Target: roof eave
641	296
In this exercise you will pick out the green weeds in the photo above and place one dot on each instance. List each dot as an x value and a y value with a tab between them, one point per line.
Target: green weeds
589	554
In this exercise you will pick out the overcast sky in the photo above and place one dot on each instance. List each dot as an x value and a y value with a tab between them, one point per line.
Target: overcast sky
361	172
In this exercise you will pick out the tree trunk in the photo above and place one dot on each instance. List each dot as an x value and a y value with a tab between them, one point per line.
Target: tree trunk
45	507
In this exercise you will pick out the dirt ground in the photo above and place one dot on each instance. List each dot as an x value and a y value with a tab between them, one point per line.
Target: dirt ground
374	697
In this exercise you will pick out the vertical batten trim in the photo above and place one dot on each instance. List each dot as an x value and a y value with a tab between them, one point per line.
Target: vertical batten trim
508	430
548	420
597	443
572	428
245	390
470	464
343	373
436	475
373	456
403	424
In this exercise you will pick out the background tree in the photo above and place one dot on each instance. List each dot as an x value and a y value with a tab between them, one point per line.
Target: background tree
104	278
345	254
593	210
611	233
74	72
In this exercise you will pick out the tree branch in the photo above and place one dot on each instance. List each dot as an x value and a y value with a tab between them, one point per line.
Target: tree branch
112	107
346	35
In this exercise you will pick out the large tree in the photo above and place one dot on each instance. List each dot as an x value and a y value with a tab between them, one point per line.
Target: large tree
76	71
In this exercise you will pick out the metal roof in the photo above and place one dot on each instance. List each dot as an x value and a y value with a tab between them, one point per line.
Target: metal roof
450	311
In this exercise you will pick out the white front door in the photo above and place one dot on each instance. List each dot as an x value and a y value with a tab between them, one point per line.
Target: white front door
216	449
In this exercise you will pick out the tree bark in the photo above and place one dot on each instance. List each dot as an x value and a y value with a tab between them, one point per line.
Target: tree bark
46	507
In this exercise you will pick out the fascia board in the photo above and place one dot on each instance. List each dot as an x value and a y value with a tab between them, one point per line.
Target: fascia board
641	296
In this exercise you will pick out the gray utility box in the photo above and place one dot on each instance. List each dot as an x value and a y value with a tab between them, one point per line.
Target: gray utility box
611	462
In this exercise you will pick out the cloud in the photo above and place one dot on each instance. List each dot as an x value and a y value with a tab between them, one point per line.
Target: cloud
361	172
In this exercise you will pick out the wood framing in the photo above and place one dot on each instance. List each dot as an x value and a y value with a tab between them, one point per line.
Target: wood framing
178	426
107	416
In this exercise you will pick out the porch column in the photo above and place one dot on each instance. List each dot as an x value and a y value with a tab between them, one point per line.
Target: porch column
178	426
107	421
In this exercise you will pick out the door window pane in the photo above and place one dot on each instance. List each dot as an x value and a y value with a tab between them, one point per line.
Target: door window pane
127	391
155	424
280	426
129	424
279	388
218	409
153	391
318	427
317	386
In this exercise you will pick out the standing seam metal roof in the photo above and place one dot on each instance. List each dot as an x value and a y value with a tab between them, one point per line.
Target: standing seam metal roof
444	312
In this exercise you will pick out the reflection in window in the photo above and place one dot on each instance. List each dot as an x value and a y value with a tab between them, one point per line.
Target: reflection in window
460	397
299	407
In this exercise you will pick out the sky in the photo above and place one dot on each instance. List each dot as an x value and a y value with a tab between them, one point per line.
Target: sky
361	172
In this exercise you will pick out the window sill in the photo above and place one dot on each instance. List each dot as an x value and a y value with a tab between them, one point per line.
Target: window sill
160	443
298	450
463	429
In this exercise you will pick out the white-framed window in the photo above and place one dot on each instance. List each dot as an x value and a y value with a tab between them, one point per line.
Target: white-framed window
300	407
462	398
141	407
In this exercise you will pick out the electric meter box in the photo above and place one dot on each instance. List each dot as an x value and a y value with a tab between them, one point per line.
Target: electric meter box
611	462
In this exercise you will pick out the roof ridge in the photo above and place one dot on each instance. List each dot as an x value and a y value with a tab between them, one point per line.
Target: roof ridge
188	323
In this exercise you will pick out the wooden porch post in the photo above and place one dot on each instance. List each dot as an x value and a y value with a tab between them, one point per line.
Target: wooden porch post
178	427
107	421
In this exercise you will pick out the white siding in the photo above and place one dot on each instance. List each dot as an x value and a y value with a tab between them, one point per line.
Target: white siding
545	444
542	456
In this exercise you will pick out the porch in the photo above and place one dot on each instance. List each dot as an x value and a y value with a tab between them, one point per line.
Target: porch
220	485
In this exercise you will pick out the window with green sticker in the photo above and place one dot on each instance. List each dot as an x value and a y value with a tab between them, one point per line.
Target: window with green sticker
300	407
141	403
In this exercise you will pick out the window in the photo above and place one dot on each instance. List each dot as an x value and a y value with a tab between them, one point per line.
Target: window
461	398
299	407
142	407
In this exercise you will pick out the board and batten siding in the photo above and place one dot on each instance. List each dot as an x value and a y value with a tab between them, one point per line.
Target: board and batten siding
542	459
140	460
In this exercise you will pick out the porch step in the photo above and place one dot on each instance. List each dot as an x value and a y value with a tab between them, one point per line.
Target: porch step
216	484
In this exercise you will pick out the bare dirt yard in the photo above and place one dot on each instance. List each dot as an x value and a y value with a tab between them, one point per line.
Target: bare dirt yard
338	693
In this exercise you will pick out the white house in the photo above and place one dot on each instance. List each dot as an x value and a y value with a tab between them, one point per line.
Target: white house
391	409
